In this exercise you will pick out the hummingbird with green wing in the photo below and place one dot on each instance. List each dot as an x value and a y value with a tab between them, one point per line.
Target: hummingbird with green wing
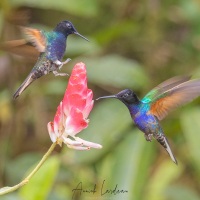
147	112
52	46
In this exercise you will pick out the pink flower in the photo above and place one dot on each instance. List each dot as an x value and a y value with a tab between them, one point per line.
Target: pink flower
72	113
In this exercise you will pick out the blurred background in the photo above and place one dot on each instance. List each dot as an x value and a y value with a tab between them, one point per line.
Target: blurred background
133	44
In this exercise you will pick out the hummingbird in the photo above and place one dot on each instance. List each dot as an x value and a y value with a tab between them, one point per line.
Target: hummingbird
52	46
155	106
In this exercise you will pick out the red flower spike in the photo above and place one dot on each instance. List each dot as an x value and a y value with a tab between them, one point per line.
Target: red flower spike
72	113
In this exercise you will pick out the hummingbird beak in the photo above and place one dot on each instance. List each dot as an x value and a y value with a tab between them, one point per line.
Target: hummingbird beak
105	97
81	36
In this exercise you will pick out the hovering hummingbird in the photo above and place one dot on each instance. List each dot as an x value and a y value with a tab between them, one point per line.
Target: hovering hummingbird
51	46
147	113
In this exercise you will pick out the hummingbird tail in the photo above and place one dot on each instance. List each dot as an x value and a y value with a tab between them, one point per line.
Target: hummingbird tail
164	142
24	85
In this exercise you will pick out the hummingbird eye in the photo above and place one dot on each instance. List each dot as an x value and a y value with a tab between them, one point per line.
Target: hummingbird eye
68	25
125	95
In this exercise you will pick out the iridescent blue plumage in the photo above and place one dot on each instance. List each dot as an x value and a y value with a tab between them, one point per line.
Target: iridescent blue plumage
147	112
56	45
51	46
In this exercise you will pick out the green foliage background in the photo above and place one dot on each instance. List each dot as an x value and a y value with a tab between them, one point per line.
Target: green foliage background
133	44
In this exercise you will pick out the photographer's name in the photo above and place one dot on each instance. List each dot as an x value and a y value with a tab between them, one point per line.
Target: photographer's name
103	190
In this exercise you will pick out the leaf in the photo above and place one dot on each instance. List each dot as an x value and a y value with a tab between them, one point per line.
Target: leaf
162	178
40	185
55	86
116	71
191	10
112	33
190	127
133	158
181	192
77	46
10	196
20	164
79	7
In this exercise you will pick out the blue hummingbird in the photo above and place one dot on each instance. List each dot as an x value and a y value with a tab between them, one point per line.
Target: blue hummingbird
147	113
52	46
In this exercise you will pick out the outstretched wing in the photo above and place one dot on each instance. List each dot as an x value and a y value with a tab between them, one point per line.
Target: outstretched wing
20	47
173	95
36	37
33	44
164	86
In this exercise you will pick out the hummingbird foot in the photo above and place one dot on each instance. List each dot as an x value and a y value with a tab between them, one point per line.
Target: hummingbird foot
60	74
149	137
60	64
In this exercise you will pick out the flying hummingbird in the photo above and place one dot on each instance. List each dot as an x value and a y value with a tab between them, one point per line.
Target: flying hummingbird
147	113
51	46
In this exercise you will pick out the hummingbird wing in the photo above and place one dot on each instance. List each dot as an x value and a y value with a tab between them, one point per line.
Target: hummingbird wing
171	96
36	37
164	86
20	47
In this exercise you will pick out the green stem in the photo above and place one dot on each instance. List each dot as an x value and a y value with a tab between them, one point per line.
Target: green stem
6	190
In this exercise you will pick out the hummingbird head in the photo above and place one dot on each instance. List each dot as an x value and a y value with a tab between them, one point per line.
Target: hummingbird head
127	96
67	28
